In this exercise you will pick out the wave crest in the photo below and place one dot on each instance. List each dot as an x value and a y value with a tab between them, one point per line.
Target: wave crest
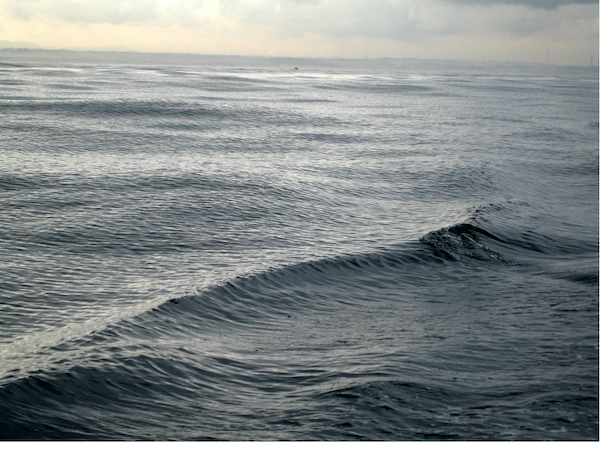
462	241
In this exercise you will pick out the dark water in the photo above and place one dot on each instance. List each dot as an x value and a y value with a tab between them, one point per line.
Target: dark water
316	254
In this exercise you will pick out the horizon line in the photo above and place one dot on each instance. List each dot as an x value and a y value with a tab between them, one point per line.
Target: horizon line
339	58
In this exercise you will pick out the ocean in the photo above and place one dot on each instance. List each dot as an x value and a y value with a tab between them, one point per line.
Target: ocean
279	250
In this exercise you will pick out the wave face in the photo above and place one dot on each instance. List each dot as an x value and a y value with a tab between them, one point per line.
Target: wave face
199	253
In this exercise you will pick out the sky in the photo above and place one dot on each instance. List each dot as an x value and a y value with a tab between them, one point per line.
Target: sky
537	31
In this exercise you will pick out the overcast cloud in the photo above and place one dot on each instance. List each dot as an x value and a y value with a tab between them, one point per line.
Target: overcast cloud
385	17
545	4
320	25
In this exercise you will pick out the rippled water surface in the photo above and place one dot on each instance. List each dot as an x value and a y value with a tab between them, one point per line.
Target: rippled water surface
331	253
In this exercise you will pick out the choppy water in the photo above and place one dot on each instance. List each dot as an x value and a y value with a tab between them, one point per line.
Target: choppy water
265	253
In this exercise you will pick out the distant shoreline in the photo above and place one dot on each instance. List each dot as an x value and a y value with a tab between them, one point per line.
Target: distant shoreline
25	54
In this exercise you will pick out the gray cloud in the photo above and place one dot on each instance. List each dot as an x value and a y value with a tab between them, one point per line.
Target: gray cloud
294	18
405	20
409	20
545	4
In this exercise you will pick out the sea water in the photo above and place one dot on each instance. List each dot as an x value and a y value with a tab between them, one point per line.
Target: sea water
328	252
